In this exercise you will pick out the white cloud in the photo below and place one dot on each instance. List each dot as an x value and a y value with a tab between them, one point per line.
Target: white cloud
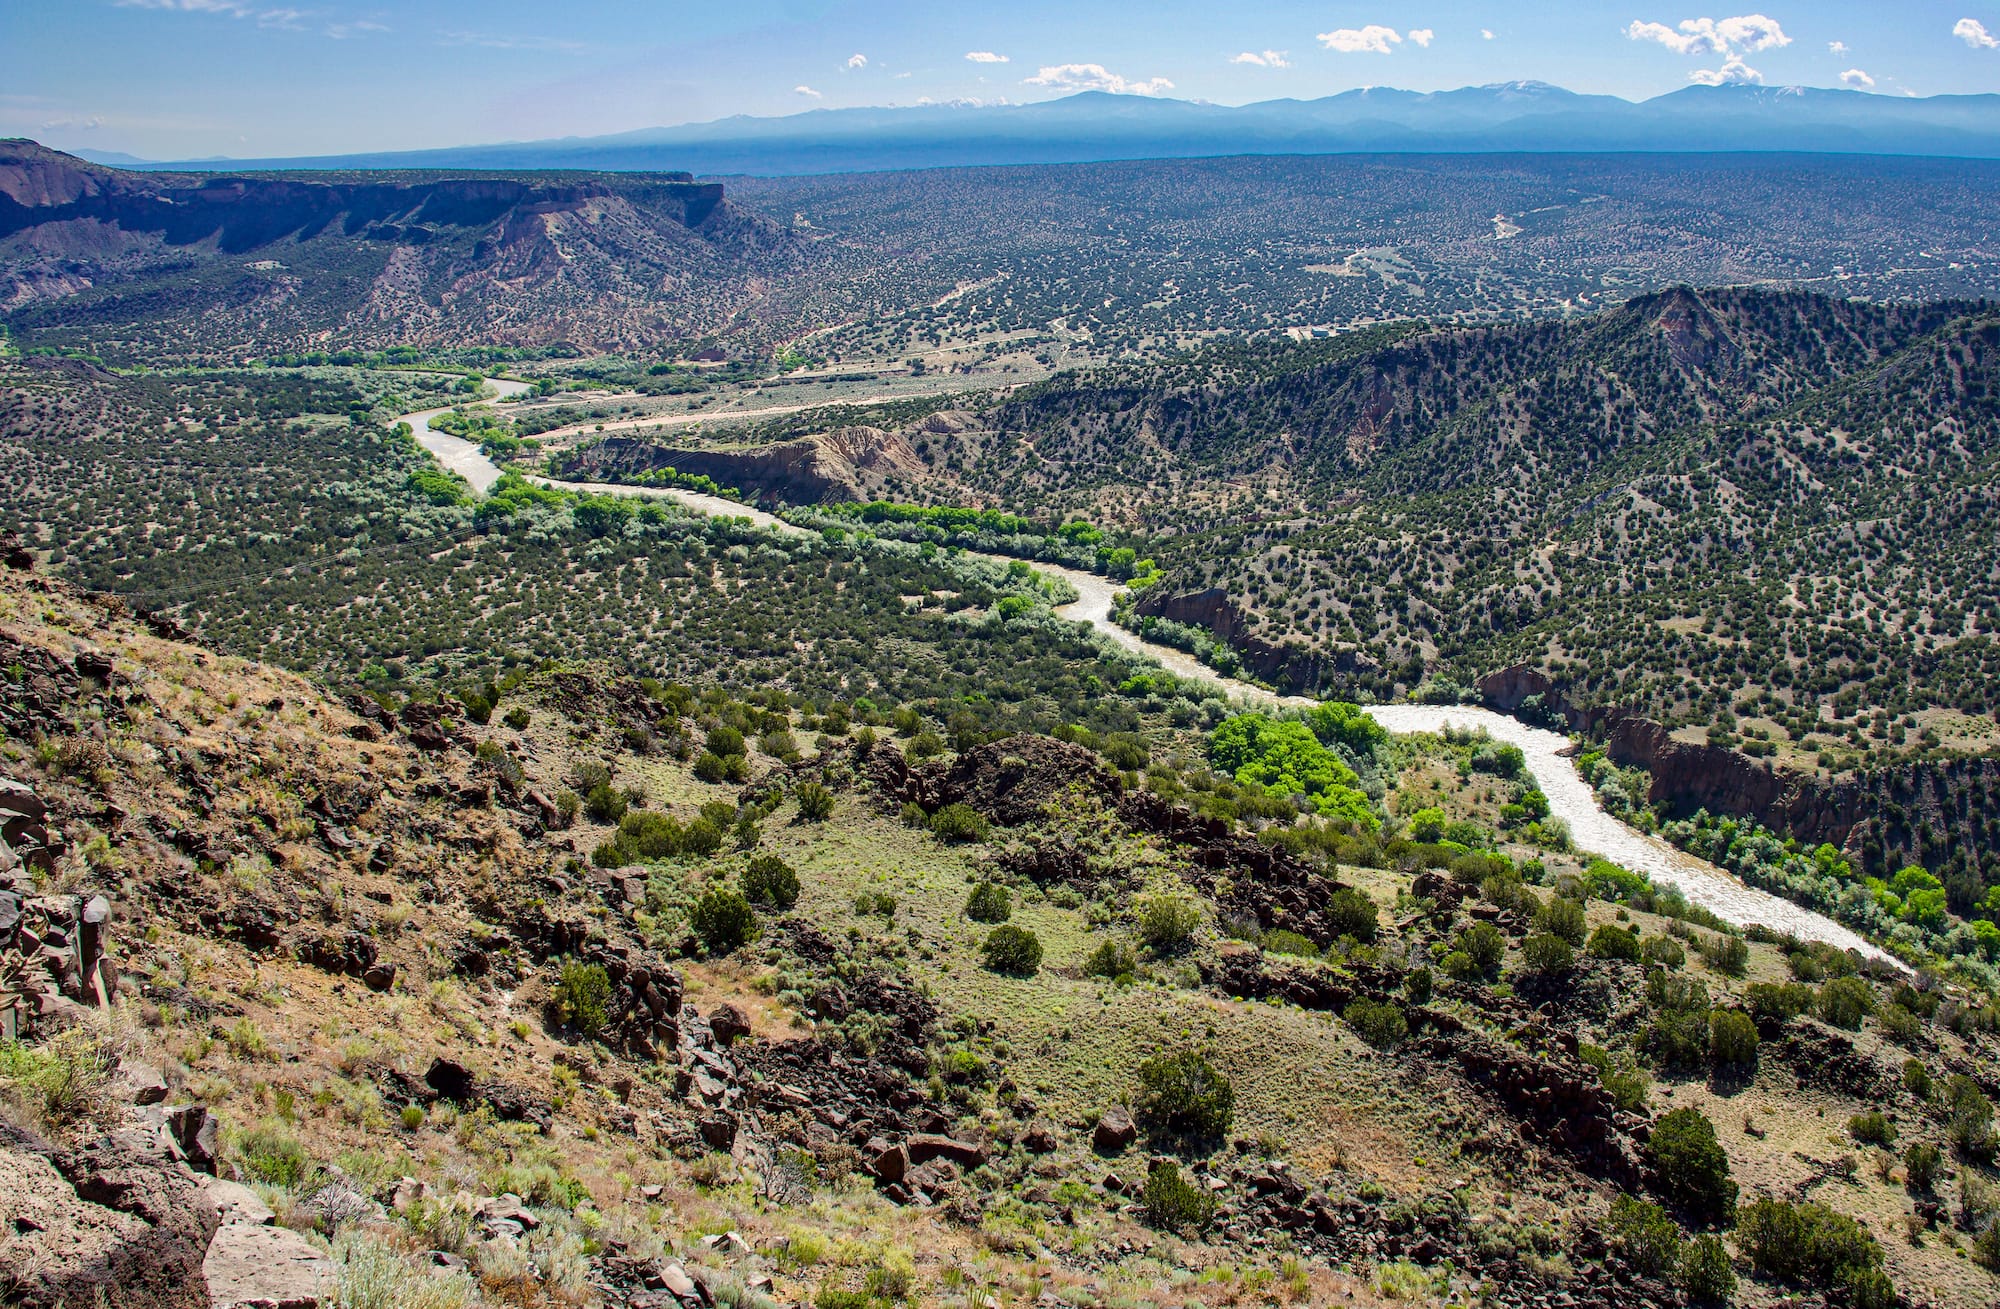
1268	59
1752	32
1486	33
1857	79
805	91
1734	72
1974	33
1836	47
986	57
233	8
1423	36
1094	77
282	18
857	61
1372	39
1666	36
1713	36
507	41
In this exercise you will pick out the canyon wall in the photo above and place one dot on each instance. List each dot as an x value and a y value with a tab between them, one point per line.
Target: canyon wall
1286	667
1933	812
824	468
241	213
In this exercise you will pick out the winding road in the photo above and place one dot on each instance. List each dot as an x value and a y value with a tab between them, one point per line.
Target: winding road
1570	797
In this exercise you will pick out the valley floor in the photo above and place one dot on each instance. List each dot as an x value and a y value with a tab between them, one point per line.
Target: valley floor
1571	799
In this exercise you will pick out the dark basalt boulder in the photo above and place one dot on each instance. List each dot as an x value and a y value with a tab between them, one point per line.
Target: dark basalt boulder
925	1146
351	953
431	737
447	1079
103	1223
1009	780
728	1023
1558	1103
889	1163
1114	1131
1833	1062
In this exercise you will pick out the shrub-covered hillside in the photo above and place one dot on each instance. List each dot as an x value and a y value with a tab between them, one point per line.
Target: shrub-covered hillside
277	516
1689	500
602	990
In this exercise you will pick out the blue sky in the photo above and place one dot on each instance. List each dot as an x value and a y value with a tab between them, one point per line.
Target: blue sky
189	78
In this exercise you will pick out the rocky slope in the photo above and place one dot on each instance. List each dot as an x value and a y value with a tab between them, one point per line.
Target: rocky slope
453	1033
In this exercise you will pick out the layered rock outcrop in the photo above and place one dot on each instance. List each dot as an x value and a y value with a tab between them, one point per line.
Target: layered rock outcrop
1287	667
241	213
108	1222
267	262
1926	812
825	467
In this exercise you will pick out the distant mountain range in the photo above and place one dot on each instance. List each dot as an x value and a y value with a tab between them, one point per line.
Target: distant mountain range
1093	125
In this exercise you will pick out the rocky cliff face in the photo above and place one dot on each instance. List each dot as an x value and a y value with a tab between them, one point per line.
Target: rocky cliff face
40	187
828	467
1689	776
1511	689
287	262
1686	776
1287	667
1924	813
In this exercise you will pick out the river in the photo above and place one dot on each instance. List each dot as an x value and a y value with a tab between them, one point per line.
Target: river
1570	797
457	455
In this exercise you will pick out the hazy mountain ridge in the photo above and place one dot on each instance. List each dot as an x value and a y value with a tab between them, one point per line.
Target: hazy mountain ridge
1094	125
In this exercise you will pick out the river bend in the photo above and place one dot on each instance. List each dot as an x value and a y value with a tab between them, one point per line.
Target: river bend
1570	797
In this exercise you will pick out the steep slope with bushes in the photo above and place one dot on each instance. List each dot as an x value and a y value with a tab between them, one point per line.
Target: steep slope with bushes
585	989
